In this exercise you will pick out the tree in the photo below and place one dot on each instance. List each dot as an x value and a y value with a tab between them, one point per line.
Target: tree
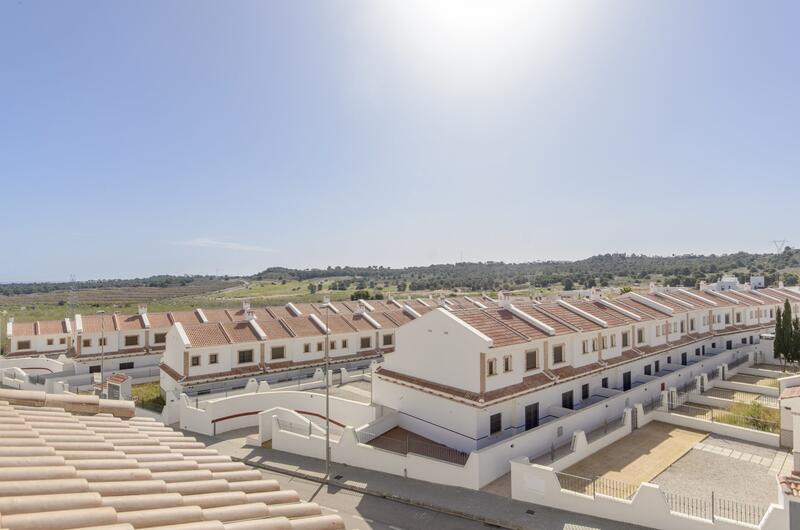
568	284
794	351
777	343
312	288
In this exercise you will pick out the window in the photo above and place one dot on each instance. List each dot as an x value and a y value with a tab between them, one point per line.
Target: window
94	369
658	366
492	367
585	391
727	318
306	347
531	360
102	341
648	370
558	354
87	343
683	326
594	344
245	356
495	423
62	340
344	344
320	346
160	338
604	382
640	335
366	342
195	360
738	317
669	359
507	363
658	331
604	342
213	358
691	324
388	339
126	366
585	346
333	344
132	340
625	339
278	352
23	345
744	340
613	341
49	342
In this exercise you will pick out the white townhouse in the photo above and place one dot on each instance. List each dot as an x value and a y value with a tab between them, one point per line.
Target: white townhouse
468	378
33	338
278	339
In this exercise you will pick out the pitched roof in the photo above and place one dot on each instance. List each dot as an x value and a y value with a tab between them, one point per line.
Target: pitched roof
151	475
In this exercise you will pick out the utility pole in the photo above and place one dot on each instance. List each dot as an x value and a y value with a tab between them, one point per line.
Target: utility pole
327	392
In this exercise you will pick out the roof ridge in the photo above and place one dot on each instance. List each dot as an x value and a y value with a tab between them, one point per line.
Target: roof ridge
538	307
225	333
347	321
521	334
286	326
391	319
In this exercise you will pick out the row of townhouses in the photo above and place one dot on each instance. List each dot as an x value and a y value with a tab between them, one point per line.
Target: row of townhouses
207	345
469	377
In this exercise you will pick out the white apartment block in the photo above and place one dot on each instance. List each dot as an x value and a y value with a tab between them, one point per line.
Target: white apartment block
468	378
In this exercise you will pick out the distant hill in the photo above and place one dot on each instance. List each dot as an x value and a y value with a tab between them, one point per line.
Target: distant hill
605	269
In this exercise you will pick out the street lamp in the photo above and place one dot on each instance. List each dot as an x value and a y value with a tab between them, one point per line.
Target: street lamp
327	391
102	349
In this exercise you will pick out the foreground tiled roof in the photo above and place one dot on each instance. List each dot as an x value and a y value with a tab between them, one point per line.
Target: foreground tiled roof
63	470
791	484
792	392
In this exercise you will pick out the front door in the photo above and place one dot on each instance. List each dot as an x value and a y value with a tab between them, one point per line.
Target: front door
626	381
531	416
684	361
567	401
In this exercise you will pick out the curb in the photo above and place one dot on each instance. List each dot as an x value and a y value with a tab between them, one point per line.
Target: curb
388	496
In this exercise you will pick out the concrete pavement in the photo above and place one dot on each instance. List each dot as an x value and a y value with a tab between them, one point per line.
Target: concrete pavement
373	500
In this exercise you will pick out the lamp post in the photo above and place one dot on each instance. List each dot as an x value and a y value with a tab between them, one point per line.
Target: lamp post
102	349
327	392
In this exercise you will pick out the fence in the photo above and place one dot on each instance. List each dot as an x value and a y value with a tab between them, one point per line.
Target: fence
597	485
404	443
607	427
296	428
713	507
652	404
738	362
714	374
703	508
722	416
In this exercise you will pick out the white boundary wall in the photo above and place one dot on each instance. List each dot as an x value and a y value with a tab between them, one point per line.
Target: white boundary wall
347	450
539	485
236	412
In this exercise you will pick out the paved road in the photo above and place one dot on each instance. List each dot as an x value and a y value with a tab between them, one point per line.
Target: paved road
364	511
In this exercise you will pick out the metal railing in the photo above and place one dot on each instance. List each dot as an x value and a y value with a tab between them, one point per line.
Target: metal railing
714	374
410	444
737	362
652	404
607	427
712	507
722	416
597	486
296	428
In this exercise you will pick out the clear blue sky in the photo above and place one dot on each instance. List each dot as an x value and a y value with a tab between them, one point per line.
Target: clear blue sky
147	137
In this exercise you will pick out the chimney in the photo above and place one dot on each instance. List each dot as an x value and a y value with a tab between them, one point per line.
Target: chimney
246	307
780	284
142	309
249	315
703	285
652	287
